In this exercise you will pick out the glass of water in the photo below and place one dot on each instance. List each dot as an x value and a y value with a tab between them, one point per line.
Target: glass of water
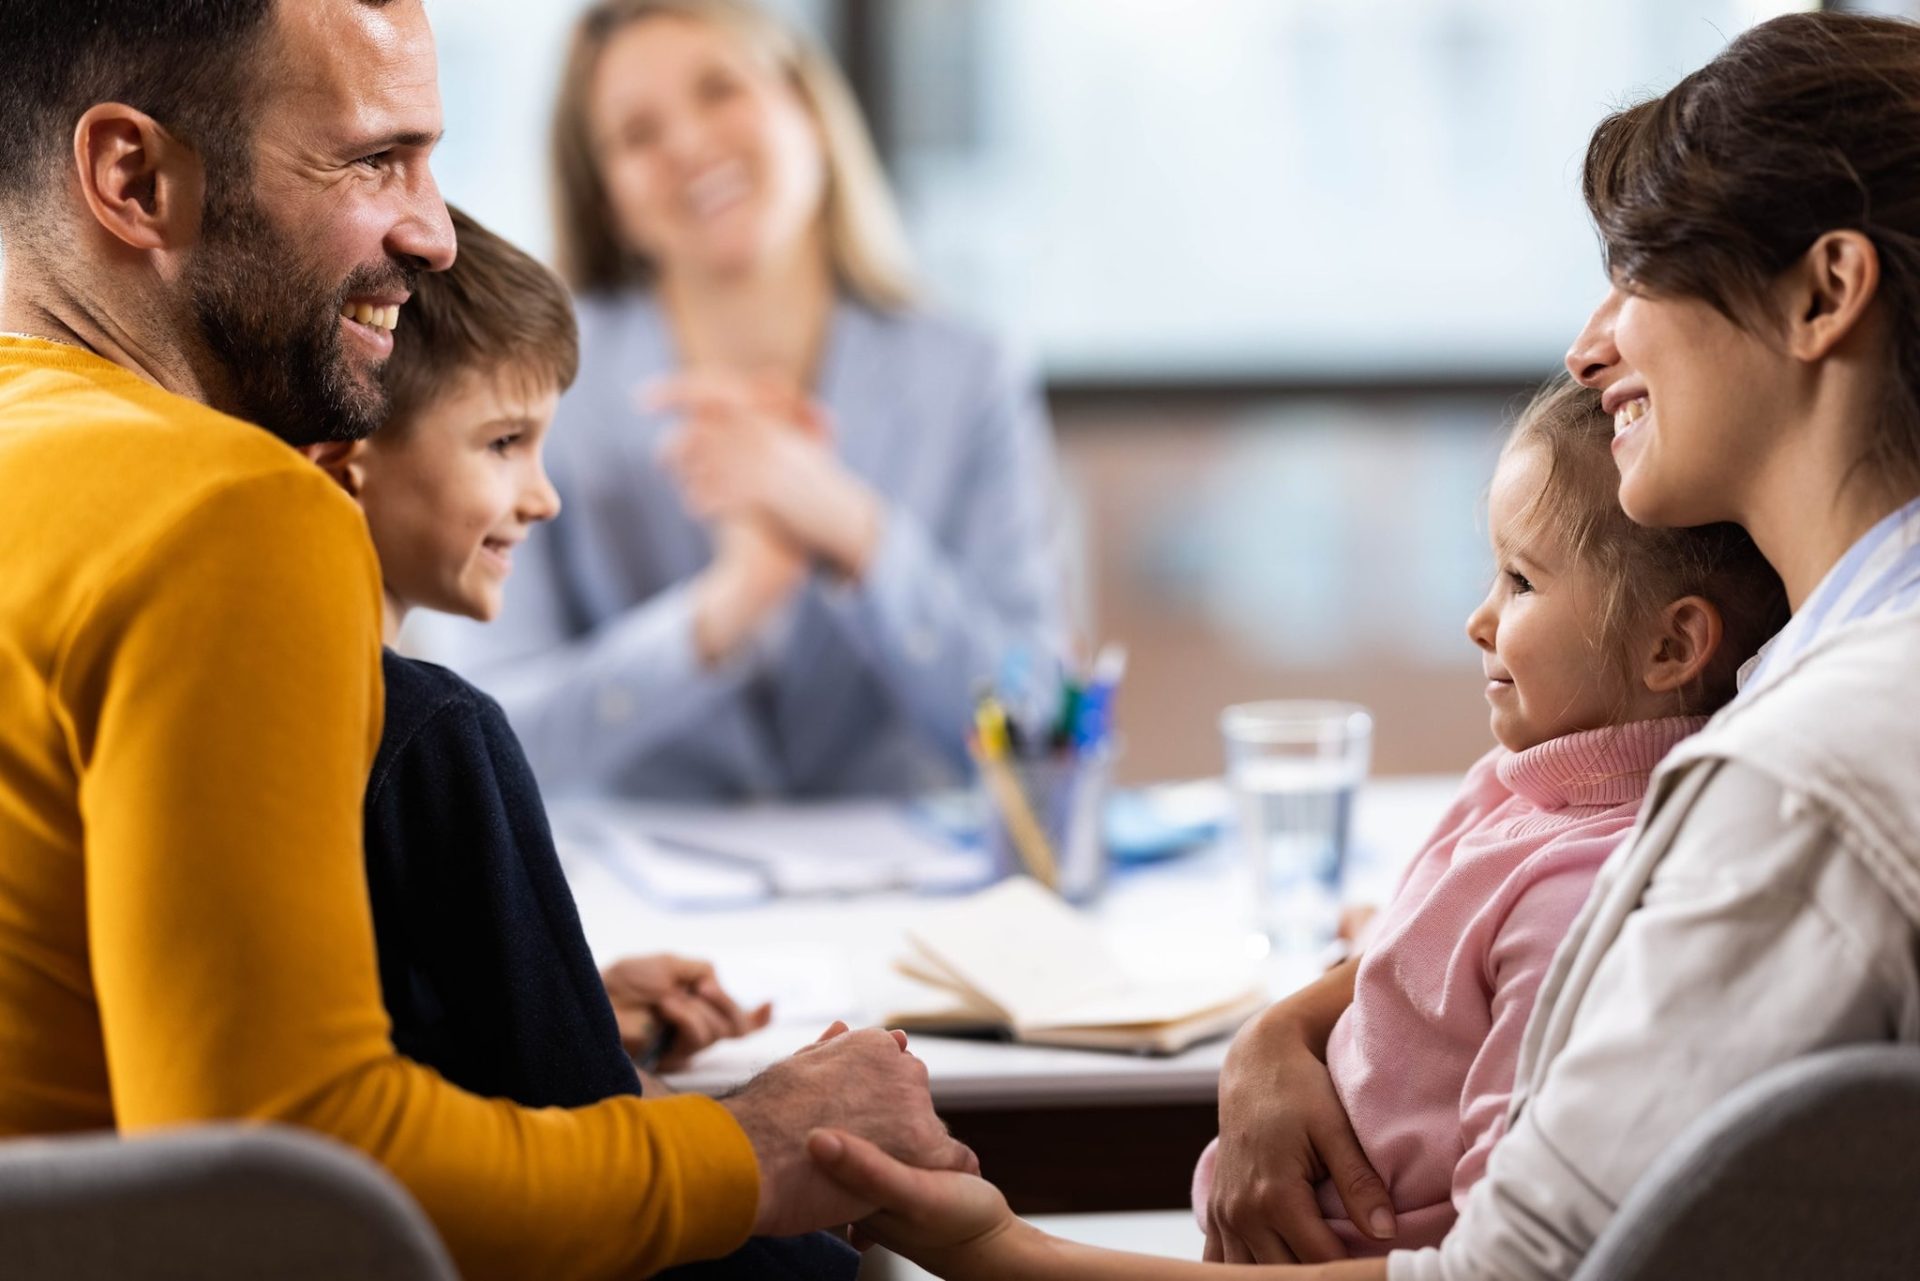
1293	768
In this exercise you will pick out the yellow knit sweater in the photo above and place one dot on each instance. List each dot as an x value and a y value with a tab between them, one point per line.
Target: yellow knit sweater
189	704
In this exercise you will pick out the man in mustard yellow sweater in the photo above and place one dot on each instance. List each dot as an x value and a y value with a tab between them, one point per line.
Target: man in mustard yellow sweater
212	212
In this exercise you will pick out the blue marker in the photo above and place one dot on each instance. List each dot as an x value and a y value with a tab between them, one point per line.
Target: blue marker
1093	724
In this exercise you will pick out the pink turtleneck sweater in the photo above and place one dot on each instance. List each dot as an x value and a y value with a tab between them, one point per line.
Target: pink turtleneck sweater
1423	1059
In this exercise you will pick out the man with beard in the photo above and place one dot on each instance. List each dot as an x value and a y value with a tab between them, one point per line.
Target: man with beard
212	211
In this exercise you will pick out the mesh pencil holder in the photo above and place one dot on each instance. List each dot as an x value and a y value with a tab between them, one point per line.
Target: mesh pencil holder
1065	803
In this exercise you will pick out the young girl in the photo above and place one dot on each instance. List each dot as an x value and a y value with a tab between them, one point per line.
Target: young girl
1604	643
1760	352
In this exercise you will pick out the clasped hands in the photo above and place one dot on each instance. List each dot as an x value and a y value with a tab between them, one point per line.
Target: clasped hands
1283	1132
754	461
842	1127
845	1133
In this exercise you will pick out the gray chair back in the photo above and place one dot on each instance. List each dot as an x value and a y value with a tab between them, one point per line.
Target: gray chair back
209	1202
1810	1170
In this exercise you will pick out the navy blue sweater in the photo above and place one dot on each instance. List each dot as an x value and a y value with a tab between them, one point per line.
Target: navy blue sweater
483	964
484	968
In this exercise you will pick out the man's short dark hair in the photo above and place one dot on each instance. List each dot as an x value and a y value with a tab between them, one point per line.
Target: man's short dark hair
496	310
184	62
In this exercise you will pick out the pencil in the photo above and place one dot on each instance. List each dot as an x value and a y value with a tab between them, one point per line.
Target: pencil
1029	839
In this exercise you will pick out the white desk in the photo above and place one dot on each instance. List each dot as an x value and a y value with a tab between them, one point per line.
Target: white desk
822	959
1061	1131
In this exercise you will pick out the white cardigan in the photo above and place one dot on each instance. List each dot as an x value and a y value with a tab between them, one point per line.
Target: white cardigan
1769	906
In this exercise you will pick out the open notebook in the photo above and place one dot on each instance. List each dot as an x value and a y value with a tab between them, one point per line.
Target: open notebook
1017	959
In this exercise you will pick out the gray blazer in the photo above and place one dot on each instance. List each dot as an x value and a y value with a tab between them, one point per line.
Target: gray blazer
853	689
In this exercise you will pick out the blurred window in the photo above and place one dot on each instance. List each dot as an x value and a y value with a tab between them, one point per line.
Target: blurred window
1192	190
1271	189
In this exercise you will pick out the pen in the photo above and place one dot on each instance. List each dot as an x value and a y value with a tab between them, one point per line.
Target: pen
677	844
1093	720
990	727
1071	696
1027	698
658	1044
1029	839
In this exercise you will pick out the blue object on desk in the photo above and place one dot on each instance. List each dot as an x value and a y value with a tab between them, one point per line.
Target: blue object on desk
1143	827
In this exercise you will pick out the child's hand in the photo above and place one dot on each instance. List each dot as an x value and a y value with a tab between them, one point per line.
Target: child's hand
954	1225
651	994
1282	1131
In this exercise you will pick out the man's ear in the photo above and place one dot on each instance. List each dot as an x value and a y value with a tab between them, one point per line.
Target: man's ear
1827	293
1686	639
344	460
140	183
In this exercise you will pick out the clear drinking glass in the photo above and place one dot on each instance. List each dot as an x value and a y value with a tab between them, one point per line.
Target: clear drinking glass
1293	767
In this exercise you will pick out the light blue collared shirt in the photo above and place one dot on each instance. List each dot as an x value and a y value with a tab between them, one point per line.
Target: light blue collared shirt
853	689
1878	575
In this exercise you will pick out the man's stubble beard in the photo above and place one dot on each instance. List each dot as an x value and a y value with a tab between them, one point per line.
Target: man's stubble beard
273	325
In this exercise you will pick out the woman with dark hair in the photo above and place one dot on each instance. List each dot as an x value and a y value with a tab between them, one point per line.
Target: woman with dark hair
1760	354
804	515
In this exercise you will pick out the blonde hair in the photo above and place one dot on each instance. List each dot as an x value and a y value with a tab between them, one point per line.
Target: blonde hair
1641	569
866	247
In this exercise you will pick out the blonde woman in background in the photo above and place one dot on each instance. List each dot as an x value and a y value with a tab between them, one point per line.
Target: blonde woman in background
803	515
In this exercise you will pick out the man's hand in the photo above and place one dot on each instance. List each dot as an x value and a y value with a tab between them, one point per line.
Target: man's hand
652	994
1282	1131
864	1083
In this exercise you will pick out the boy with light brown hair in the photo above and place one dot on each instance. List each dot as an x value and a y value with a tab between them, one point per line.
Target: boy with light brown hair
483	965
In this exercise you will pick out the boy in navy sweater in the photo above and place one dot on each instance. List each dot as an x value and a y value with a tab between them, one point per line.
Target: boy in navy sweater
484	968
483	965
